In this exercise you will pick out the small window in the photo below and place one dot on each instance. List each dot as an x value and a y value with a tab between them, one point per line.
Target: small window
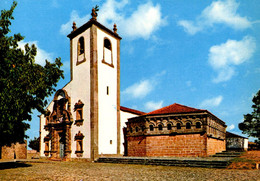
160	127
188	126
169	126
143	128
151	127
131	130
107	90
79	145
110	142
79	114
136	129
107	44
178	125
81	46
198	125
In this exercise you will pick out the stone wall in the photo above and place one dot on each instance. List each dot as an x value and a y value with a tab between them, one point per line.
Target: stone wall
215	146
185	145
136	146
166	145
15	151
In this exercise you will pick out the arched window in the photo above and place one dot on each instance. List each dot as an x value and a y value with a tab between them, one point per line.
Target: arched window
81	51
81	47
178	125
136	129
169	126
151	127
107	53
107	44
160	127
188	125
198	125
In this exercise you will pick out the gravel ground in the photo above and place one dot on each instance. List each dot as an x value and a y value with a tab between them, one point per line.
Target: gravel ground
103	171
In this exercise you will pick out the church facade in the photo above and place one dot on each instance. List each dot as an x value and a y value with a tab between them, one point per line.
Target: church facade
85	119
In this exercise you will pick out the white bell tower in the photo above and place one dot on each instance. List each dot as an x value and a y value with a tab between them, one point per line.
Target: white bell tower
95	81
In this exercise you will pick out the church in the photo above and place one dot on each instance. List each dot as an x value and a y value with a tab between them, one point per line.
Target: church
85	119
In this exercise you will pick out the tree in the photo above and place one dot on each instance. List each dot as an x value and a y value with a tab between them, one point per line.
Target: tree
24	84
35	144
251	124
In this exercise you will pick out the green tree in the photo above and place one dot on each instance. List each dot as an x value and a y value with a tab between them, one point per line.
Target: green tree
251	124
35	144
24	84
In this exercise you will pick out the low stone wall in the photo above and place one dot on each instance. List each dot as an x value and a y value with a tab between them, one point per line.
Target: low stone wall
15	151
167	145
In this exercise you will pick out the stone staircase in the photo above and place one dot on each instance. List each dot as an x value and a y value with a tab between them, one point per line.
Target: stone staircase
181	162
229	154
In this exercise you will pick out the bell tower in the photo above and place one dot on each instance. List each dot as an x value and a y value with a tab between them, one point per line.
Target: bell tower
95	81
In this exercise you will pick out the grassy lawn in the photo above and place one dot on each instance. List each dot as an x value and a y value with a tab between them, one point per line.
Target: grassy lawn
103	171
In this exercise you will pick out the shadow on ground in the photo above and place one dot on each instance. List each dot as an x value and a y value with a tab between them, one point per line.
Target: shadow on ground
8	165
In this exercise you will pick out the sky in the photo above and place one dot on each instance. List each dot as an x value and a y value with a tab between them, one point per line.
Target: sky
199	53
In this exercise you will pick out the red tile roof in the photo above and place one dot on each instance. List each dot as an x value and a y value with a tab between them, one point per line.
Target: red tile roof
125	109
175	108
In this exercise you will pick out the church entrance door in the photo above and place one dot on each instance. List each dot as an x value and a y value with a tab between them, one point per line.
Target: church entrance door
61	150
62	145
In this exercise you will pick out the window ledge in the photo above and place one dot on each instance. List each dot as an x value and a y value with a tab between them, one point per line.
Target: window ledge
79	122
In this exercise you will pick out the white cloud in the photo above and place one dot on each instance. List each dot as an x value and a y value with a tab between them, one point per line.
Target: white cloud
67	27
140	89
224	57
141	23
151	105
230	127
41	56
143	87
213	102
189	27
218	12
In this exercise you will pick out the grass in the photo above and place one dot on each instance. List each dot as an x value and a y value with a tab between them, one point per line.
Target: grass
247	160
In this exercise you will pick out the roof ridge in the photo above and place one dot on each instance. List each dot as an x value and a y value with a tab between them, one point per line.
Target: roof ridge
190	107
175	106
123	108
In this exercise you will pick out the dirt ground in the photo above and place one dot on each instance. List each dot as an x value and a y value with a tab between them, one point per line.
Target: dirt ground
242	168
103	171
248	160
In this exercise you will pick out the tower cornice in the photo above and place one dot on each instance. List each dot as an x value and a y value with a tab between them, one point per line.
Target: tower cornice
87	25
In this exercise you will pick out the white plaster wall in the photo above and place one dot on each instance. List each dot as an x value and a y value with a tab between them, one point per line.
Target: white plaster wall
124	116
80	90
107	76
245	143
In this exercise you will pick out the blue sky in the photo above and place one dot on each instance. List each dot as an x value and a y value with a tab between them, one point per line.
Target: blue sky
203	54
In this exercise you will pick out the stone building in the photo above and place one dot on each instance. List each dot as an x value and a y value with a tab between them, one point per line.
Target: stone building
176	130
85	119
236	142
